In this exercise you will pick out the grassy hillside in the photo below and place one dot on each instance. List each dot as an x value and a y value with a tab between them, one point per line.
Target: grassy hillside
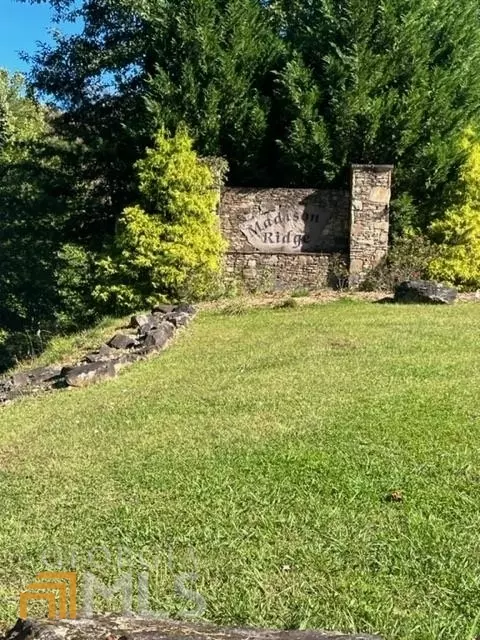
256	453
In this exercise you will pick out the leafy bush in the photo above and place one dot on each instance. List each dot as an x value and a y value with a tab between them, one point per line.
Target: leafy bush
338	272
458	232
74	278
171	246
408	259
404	215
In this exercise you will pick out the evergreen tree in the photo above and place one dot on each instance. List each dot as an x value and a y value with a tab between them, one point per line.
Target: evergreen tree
289	91
215	73
387	81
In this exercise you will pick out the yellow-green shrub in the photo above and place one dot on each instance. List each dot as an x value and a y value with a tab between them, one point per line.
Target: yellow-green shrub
171	246
458	232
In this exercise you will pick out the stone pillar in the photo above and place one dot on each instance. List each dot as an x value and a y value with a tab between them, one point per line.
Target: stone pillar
369	218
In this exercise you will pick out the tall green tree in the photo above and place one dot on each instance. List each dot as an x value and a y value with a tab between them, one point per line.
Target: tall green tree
215	71
37	189
379	81
136	66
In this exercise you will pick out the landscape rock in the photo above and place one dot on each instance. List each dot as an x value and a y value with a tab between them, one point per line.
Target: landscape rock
126	359
44	374
122	341
7	391
424	291
146	328
138	628
153	322
153	333
178	318
20	380
104	353
159	337
6	386
86	374
35	377
163	308
66	369
184	307
139	320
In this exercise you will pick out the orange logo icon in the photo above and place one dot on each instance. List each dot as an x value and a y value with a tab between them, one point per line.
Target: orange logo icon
56	587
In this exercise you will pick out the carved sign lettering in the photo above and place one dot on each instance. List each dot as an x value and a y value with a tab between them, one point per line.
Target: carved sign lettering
286	230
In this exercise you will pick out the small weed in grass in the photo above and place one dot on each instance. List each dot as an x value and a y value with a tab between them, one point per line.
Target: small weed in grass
301	292
235	307
288	303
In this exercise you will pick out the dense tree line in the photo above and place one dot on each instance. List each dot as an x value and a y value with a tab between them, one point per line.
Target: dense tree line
289	92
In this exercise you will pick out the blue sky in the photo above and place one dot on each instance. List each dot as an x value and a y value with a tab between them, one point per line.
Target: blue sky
21	27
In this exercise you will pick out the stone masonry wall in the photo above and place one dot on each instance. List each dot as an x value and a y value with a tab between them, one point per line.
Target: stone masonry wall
274	272
369	220
288	238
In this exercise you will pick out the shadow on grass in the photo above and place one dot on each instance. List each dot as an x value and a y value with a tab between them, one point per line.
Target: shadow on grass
386	300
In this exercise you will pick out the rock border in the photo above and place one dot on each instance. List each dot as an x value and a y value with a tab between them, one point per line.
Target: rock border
136	628
149	334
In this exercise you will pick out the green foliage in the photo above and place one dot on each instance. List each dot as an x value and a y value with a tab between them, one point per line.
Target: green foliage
214	63
22	120
171	247
289	92
28	231
458	233
403	215
75	280
43	279
307	154
361	86
338	271
219	168
127	275
408	259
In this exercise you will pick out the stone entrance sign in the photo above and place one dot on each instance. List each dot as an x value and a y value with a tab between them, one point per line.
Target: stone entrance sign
293	229
284	238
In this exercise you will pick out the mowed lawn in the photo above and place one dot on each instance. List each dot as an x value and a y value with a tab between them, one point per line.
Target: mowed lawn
255	455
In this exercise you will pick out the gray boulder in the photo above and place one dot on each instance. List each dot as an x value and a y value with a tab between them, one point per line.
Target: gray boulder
44	374
424	291
126	359
163	308
178	318
35	377
104	353
159	337
184	307
148	628
86	374
20	380
122	341
153	322
139	320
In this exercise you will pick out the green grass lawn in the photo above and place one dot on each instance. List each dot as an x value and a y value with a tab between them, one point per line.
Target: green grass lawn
257	452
